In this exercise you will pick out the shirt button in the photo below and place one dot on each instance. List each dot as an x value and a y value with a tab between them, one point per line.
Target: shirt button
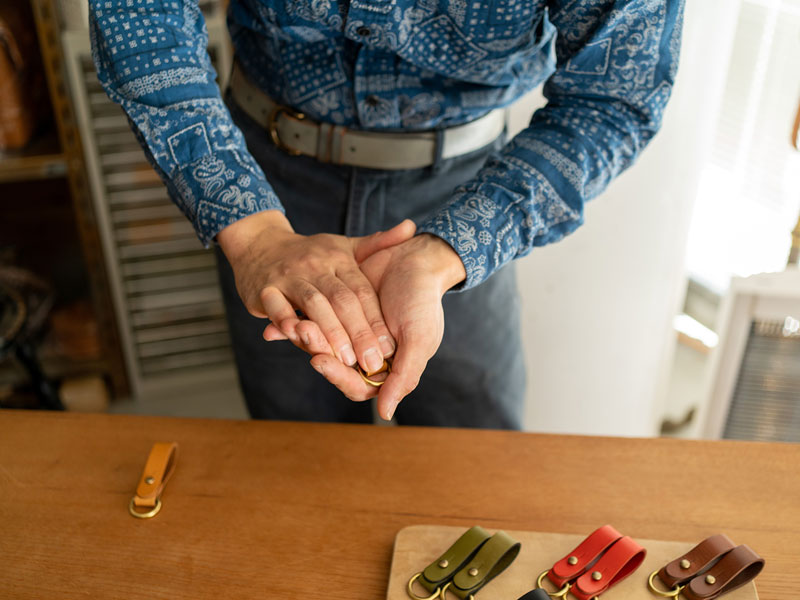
373	100
363	31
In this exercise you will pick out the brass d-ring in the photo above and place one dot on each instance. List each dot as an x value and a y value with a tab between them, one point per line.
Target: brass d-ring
559	594
386	368
673	593
144	515
411	593
443	592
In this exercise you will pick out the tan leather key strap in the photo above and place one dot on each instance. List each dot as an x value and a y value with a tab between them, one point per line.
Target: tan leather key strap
733	570
157	470
697	560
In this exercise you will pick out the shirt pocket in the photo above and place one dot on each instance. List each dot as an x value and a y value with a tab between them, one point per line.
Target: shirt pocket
299	20
480	42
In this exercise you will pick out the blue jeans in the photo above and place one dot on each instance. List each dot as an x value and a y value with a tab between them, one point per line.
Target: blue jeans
476	378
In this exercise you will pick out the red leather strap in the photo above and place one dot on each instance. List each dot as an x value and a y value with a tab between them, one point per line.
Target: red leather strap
582	557
622	559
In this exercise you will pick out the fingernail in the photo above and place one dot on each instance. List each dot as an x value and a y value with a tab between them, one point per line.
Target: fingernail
319	369
347	354
306	339
373	359
390	409
386	346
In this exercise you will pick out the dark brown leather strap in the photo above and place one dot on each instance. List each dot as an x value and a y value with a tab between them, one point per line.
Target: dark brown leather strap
695	561
733	570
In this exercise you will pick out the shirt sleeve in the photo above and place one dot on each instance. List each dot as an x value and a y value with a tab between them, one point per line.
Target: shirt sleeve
151	58
615	66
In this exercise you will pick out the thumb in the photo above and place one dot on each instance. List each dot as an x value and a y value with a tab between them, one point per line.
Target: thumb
364	247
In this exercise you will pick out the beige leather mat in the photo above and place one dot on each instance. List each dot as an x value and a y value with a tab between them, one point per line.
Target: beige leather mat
416	546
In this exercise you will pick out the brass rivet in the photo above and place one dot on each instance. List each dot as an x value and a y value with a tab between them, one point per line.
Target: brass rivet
472	572
443	563
711	580
597	575
685	564
573	560
149	480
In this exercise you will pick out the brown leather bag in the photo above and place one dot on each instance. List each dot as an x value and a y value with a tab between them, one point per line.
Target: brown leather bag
21	80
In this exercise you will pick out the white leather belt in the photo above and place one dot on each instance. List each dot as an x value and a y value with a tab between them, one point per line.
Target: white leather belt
297	134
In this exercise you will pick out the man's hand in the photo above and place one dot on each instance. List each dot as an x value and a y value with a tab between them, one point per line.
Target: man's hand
411	279
279	271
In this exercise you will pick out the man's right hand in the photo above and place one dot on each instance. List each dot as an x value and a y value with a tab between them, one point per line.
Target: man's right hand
278	271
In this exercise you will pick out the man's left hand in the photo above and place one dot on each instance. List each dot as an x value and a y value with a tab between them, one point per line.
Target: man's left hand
411	278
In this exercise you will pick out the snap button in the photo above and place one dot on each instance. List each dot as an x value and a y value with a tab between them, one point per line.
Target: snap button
373	100
363	31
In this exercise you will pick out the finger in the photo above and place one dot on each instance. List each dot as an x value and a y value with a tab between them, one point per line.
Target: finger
408	365
348	306
273	334
316	306
346	379
365	247
280	312
314	341
357	281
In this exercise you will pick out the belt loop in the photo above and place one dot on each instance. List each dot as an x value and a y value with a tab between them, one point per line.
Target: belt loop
337	144
438	148
506	124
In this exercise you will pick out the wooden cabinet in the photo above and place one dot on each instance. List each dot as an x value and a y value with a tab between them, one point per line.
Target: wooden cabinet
49	226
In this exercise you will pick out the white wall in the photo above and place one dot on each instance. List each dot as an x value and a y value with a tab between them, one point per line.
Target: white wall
598	306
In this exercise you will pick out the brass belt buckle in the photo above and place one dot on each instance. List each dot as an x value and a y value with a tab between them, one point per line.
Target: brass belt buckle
272	126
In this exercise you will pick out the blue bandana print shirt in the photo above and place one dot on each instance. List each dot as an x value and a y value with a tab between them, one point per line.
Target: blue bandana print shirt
609	67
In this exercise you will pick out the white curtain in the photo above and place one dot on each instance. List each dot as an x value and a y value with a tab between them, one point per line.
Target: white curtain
598	306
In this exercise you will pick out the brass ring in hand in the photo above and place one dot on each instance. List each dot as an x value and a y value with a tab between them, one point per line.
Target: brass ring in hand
385	368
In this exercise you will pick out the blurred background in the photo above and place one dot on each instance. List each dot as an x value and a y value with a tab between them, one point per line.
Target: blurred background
675	310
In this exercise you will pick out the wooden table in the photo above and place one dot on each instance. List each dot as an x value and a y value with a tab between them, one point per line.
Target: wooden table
287	510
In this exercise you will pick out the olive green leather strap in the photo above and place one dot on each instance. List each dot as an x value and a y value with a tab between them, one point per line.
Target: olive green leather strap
456	556
491	560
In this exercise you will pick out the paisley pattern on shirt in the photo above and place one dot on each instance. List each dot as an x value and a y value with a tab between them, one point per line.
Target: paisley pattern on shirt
609	67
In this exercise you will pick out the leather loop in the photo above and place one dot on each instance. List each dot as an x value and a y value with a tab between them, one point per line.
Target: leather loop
582	557
157	470
622	559
733	570
455	557
492	559
696	561
535	594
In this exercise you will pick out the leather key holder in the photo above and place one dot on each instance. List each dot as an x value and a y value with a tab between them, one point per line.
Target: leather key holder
733	570
699	559
441	571
581	558
492	559
569	568
535	594
619	561
157	470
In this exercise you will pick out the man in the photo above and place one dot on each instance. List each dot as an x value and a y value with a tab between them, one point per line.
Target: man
363	113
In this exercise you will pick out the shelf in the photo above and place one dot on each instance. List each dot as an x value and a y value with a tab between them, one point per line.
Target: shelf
41	159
